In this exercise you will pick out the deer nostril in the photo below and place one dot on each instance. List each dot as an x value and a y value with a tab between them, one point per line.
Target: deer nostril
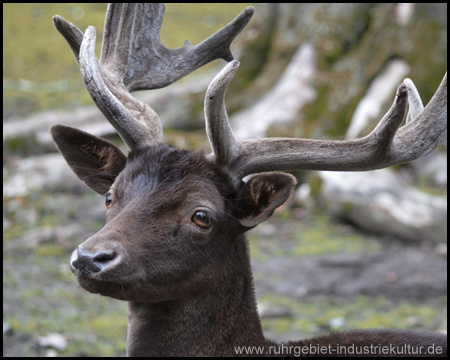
88	263
103	257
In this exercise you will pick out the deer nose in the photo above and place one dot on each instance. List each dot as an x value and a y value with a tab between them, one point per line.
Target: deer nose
88	263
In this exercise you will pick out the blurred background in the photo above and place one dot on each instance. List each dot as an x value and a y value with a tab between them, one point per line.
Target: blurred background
349	250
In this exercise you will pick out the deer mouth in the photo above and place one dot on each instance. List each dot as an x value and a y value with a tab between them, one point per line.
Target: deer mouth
103	287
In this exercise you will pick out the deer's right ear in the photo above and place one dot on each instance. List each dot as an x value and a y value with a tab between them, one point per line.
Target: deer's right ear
94	160
261	195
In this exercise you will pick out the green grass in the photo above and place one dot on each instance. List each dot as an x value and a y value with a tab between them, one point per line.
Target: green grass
318	235
313	317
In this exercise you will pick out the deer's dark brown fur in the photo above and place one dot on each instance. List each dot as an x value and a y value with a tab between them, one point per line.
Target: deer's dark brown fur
184	284
189	289
173	245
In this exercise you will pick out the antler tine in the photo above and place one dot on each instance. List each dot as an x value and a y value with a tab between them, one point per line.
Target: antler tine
133	58
414	100
133	130
224	145
136	122
385	146
71	33
427	129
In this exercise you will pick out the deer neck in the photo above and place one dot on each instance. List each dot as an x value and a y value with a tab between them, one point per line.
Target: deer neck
212	322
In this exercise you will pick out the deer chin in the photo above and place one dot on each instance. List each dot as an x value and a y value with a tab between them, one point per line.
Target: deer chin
105	288
127	291
127	288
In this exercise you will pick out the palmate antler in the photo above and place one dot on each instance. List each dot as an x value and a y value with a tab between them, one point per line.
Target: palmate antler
133	58
388	144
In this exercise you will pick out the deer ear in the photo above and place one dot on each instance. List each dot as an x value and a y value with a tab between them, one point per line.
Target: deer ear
261	195
94	160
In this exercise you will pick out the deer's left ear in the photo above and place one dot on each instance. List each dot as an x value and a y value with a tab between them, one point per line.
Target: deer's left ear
261	195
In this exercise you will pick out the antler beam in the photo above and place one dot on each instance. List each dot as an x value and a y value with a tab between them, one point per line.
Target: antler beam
386	145
133	58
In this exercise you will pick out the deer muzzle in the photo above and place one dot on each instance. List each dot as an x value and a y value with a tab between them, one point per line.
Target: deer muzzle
89	264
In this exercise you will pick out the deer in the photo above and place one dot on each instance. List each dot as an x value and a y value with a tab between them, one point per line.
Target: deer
173	245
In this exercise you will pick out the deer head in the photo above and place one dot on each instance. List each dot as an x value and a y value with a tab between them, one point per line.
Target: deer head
173	243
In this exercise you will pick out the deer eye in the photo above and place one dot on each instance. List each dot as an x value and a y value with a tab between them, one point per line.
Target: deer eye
201	218
108	200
